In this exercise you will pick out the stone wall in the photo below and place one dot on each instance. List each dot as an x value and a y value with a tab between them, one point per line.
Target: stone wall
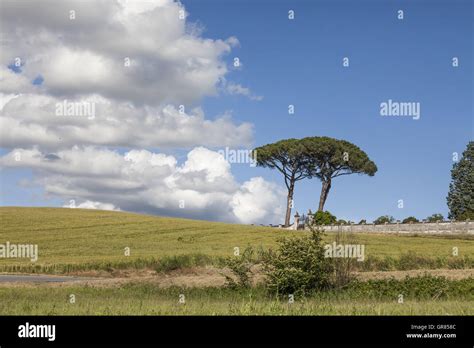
425	227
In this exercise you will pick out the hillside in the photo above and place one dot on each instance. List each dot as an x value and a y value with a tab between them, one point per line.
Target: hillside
80	236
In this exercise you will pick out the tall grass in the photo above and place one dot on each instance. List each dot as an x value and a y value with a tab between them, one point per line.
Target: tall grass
406	261
422	296
165	264
412	261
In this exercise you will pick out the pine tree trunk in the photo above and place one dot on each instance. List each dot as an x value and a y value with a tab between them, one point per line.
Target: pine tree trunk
324	194
289	204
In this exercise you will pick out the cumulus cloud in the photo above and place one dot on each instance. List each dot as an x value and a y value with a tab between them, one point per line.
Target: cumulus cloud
32	119
136	51
139	180
139	63
254	199
91	205
133	73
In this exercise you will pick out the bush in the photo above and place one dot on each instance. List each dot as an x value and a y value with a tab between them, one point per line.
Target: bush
342	222
362	222
435	217
298	267
383	219
240	266
410	219
324	218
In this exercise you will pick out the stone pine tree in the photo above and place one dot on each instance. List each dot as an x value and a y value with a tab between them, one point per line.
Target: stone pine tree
288	157
461	189
330	158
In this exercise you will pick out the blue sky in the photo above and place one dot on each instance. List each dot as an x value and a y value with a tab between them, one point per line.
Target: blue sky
299	62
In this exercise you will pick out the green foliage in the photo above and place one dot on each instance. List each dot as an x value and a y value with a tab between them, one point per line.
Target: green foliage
411	261
321	157
324	218
333	157
461	189
342	222
362	222
298	267
282	155
410	219
383	219
435	218
467	215
289	158
421	287
329	158
240	266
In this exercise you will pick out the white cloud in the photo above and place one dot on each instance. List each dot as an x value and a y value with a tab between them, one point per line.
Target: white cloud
83	59
30	119
252	201
11	82
152	182
93	205
87	54
237	89
136	107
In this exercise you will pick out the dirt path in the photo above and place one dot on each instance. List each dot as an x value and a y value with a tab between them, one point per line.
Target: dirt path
193	277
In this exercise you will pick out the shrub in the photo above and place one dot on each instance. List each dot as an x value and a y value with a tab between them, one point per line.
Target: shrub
240	266
435	217
324	218
298	266
383	219
341	222
362	222
410	219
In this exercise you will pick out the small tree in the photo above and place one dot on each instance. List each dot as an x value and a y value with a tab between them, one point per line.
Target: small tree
329	158
410	219
298	266
384	219
461	189
289	158
324	218
435	218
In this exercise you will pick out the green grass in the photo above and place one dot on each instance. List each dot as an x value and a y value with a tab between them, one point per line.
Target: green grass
73	239
422	296
77	239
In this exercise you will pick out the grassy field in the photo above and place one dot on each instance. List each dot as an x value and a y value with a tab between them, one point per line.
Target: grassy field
372	298
74	239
